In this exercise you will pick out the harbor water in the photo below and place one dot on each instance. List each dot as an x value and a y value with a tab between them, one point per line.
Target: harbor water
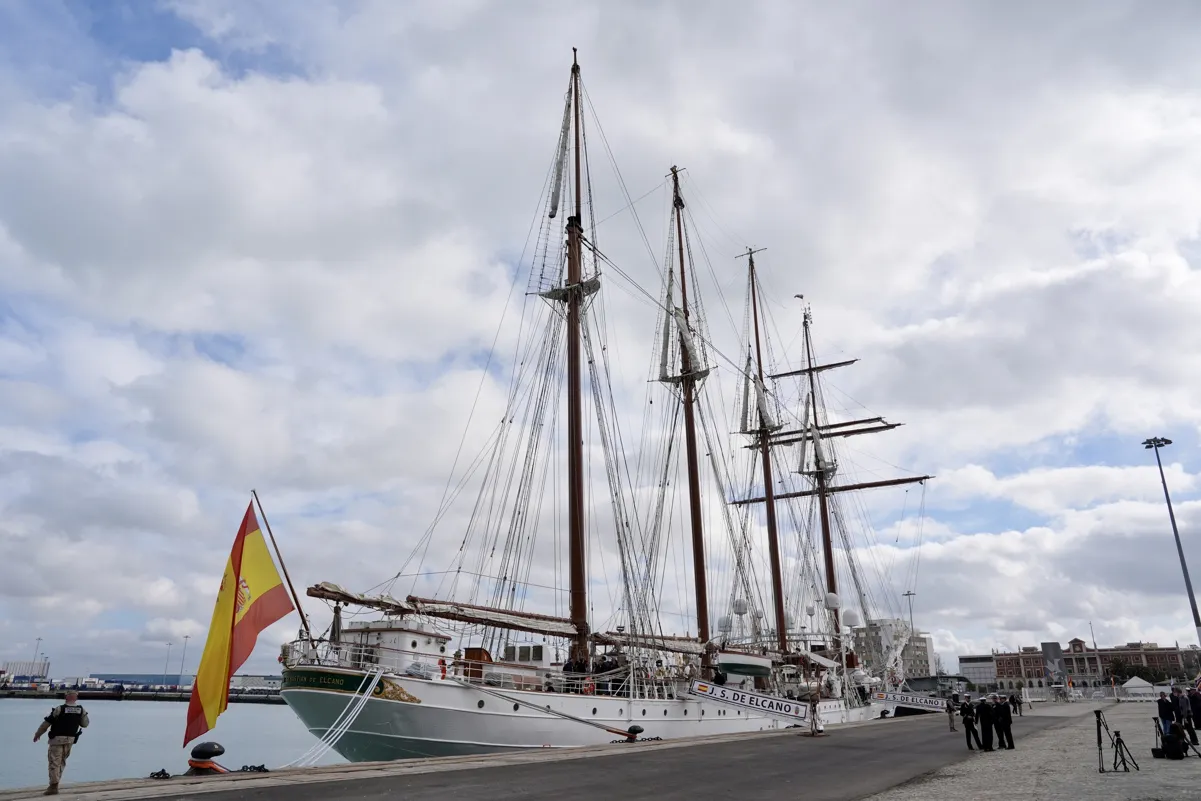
132	739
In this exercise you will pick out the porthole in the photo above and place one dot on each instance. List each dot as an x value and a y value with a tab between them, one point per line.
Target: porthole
644	712
442	649
414	644
620	711
702	712
685	711
594	710
480	704
516	707
664	713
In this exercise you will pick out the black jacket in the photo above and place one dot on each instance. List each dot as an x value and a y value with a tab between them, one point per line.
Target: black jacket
1167	709
1002	716
1195	702
967	712
985	713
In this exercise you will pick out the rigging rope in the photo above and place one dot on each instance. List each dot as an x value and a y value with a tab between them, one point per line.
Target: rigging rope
341	724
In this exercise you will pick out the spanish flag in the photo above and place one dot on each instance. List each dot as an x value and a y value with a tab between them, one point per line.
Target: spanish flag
251	598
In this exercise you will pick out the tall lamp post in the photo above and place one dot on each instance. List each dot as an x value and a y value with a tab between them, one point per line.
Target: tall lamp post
909	594
1154	444
166	662
184	655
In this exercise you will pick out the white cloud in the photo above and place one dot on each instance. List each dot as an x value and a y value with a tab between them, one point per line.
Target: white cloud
283	277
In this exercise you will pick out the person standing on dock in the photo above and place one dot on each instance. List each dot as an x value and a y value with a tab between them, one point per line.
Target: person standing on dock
1003	721
1167	711
951	713
65	723
1194	699
1184	713
968	713
984	714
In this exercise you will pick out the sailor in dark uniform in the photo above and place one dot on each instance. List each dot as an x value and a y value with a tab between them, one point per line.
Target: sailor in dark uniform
1003	720
65	723
984	714
968	713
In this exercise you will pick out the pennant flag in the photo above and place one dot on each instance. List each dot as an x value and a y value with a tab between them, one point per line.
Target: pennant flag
251	598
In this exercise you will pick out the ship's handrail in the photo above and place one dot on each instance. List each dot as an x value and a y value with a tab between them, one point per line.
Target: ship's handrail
639	680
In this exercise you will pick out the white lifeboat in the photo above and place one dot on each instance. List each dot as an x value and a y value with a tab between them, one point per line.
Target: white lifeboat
739	664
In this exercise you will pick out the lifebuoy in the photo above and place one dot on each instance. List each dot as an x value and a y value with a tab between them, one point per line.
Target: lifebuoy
442	667
589	687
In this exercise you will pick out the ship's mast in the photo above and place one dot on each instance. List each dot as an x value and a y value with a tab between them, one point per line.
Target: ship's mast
575	436
769	489
823	501
688	388
809	431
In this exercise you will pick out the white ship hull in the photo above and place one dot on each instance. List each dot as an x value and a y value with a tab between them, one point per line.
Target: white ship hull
410	717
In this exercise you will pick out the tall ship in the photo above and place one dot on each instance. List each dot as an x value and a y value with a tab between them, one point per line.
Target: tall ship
597	590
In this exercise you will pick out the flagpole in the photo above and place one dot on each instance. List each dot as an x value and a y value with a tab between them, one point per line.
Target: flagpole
295	598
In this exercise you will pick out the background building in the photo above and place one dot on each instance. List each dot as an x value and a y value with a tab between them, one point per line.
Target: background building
1082	665
876	640
24	672
184	681
979	669
134	680
255	682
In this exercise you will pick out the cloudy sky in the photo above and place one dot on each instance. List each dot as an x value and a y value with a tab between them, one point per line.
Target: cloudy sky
248	247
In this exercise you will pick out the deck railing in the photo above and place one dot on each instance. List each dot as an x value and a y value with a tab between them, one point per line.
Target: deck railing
634	680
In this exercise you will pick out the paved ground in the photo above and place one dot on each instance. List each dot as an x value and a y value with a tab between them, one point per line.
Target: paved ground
1062	763
849	763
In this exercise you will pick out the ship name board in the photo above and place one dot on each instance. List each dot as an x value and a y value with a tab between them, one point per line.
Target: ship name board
908	699
768	704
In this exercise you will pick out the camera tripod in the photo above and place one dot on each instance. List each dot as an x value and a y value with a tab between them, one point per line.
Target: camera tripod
1122	758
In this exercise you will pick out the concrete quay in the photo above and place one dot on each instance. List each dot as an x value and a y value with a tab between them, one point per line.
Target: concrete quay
849	762
1061	762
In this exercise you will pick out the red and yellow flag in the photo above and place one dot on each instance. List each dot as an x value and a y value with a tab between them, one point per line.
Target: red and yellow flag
251	598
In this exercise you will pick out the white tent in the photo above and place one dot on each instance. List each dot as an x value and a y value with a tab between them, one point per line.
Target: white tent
1136	687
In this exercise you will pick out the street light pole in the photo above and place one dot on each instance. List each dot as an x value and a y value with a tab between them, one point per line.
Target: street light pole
184	655
1155	443
166	662
37	646
910	595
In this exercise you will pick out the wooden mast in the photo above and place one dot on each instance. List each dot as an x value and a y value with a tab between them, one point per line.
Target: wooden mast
769	490
822	488
575	436
820	473
688	386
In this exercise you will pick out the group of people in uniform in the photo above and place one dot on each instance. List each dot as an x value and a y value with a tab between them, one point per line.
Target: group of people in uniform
993	713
